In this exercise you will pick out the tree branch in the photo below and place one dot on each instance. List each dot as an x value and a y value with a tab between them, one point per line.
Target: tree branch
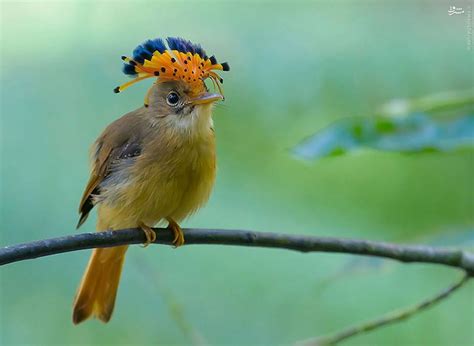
395	316
455	258
405	253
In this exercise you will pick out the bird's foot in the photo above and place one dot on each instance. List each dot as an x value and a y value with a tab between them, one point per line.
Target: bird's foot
149	234
178	239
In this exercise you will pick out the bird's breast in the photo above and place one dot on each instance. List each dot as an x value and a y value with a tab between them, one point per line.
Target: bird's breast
172	180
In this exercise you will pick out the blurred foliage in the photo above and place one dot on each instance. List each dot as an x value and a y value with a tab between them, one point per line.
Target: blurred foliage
397	131
437	104
295	68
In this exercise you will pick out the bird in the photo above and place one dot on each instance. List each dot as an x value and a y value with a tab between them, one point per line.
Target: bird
154	164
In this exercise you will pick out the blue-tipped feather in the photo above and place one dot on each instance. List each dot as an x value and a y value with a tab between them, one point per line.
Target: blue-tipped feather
179	44
141	53
185	46
155	45
198	49
146	49
129	69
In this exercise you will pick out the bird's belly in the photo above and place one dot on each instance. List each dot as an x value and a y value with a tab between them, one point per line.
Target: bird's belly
176	196
166	189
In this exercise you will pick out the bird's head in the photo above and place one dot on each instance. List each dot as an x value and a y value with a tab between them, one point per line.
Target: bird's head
181	69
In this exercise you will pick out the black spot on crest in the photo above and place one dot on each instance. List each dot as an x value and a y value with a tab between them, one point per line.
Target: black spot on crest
225	66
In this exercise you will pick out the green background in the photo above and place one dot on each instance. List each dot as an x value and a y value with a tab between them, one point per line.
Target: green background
295	68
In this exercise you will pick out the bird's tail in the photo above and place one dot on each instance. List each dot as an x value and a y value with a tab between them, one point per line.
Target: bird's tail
98	289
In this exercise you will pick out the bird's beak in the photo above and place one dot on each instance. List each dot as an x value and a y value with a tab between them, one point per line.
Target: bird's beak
206	98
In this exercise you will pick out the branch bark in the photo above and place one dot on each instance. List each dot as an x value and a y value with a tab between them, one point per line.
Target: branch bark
404	253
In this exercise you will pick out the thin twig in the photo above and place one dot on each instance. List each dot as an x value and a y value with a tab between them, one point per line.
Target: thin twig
390	318
404	253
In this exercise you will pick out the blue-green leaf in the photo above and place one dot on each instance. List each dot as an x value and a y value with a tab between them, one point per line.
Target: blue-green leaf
416	133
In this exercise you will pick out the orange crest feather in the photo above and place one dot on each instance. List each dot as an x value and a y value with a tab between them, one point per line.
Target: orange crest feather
183	60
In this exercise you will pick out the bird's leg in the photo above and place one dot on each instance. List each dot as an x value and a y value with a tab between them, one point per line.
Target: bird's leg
149	234
173	226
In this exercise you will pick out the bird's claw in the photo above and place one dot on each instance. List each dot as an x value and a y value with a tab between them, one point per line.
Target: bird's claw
149	234
178	239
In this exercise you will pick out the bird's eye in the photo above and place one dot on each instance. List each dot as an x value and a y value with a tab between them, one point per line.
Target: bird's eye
172	99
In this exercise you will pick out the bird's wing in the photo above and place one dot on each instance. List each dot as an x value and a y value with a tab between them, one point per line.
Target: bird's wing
115	145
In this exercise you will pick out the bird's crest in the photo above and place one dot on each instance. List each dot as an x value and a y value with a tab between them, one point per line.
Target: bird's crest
181	60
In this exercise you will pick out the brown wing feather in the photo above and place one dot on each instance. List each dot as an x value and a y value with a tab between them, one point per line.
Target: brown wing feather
99	170
120	140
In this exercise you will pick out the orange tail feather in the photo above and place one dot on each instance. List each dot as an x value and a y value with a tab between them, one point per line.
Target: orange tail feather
98	289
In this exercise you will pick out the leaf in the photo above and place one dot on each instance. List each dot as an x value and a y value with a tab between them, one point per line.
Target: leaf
415	133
